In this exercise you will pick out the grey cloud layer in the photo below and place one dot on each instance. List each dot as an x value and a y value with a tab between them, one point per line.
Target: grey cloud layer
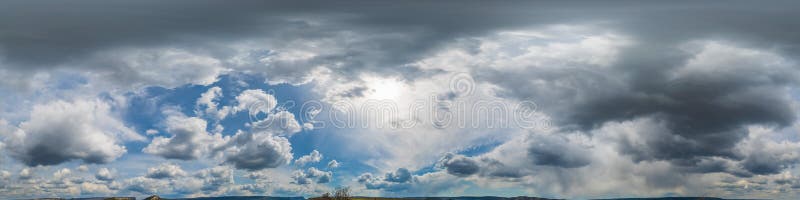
39	38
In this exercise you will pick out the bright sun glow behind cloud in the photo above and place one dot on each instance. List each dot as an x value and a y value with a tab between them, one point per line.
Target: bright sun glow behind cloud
384	88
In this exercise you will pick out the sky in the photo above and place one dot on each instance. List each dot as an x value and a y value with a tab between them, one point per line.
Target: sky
577	99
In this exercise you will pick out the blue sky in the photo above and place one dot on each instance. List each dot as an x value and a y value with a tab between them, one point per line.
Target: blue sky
596	99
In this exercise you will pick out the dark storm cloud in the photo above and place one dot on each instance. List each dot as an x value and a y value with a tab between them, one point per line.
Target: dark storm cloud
38	35
47	32
463	166
557	152
703	113
767	159
495	168
768	165
458	165
42	35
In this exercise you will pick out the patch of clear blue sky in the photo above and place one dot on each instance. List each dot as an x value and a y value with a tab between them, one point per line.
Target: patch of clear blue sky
145	109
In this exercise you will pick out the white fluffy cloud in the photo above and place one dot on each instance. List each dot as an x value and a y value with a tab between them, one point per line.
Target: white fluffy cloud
393	181
83	168
104	174
333	164
282	123
189	139
311	175
25	173
165	171
145	186
258	103
206	105
62	173
313	157
216	179
60	131
265	145
255	102
255	151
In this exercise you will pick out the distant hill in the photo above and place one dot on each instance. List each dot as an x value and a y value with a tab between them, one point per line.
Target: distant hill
453	198
239	198
671	198
526	198
89	198
106	198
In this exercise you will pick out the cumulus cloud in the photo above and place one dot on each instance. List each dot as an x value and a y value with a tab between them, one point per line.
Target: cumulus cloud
401	175
25	173
458	165
258	103
60	131
165	171
63	173
311	175
104	174
5	177
313	157
216	178
333	164
170	179
189	186
145	186
189	139
523	156
258	175
83	168
206	105
255	151
255	102
280	123
764	156
394	181
487	165
265	145
95	188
